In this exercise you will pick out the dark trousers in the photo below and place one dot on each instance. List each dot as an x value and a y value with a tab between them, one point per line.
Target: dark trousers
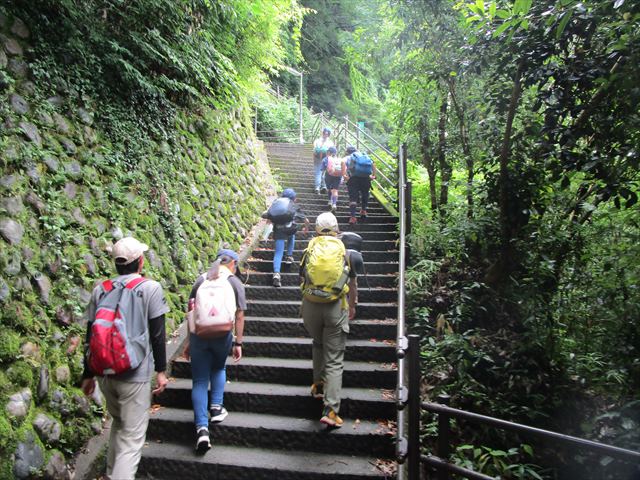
359	188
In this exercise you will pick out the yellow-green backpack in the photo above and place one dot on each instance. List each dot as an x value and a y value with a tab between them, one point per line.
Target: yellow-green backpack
326	270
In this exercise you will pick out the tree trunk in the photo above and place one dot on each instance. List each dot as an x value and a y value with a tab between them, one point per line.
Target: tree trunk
505	155
428	162
466	147
445	168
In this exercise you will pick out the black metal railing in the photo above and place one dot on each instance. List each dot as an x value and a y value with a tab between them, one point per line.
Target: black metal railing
403	398
441	461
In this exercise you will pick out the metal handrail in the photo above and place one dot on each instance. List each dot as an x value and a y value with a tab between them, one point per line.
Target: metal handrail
378	144
621	453
390	167
445	413
402	397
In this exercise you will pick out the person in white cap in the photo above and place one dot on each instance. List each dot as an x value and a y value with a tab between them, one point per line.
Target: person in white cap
329	297
138	303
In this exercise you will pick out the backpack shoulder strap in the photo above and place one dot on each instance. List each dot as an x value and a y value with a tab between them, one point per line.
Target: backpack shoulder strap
131	284
107	286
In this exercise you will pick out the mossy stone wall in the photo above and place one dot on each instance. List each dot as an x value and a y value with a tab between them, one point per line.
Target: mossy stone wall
68	191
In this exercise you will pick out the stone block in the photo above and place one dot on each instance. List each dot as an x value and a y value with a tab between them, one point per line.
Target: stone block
28	457
19	104
19	403
11	230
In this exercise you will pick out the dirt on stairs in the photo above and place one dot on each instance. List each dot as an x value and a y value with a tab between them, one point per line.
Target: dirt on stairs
273	429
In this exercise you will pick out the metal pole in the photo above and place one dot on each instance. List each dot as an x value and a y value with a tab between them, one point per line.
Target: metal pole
414	407
358	138
404	163
407	229
444	443
301	136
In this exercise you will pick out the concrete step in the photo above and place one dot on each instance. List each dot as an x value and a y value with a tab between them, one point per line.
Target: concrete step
367	244
321	200
369	225
171	461
260	265
265	292
281	399
288	371
278	432
284	308
293	327
370	350
293	278
367	255
347	228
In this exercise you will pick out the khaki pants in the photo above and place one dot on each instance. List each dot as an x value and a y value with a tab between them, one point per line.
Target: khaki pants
128	404
328	325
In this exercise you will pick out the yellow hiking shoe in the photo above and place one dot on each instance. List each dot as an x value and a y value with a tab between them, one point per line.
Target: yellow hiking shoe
331	419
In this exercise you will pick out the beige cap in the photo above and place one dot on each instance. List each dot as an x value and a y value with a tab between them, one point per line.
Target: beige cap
127	250
326	223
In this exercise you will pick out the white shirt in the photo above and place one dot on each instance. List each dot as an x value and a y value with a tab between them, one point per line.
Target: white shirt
322	144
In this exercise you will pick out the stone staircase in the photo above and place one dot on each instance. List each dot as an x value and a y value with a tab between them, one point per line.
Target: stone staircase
272	431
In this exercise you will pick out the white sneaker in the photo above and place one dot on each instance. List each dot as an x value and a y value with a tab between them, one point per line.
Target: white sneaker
218	413
203	443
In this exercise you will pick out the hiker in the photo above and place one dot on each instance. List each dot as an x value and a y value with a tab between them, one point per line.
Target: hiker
335	168
329	298
320	147
360	171
216	307
285	214
124	371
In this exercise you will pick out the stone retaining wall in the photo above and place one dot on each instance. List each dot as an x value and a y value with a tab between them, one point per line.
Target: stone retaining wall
67	192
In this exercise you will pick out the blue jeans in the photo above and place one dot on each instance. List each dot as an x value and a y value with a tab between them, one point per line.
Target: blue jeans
279	251
208	359
319	177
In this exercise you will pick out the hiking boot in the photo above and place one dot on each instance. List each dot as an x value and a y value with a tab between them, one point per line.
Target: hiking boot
353	220
331	419
288	260
323	190
317	191
276	280
334	208
218	413
317	390
363	214
202	440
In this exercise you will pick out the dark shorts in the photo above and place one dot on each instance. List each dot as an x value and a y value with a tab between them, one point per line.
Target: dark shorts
333	183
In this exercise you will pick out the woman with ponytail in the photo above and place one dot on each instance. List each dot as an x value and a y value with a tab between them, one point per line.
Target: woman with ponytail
208	353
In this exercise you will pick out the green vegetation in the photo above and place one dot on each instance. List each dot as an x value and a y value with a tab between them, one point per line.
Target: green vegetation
522	125
118	118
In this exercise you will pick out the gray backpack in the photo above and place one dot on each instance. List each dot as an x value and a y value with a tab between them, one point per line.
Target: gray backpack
119	333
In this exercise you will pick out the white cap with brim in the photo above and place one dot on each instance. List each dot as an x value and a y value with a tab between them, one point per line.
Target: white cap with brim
127	250
326	223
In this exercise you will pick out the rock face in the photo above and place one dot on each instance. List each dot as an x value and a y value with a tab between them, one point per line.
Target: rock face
71	184
29	456
19	403
47	428
11	230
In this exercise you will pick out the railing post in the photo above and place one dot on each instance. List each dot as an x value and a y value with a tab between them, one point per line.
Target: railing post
407	229
404	163
414	407
444	440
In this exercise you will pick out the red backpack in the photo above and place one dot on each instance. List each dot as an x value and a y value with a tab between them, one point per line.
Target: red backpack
119	333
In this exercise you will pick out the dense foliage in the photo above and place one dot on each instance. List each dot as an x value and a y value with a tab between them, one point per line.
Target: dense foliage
117	118
522	122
